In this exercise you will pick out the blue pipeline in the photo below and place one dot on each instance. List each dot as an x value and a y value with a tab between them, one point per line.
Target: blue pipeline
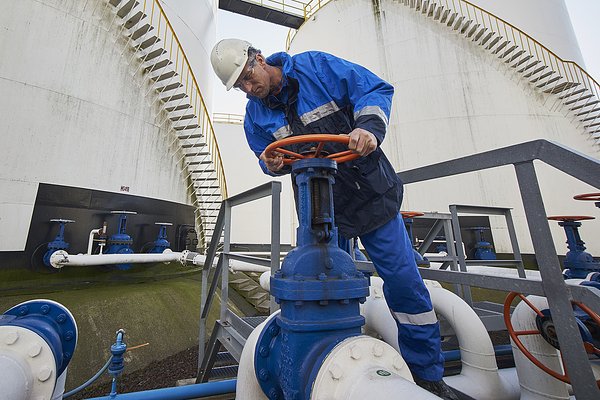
454	355
178	393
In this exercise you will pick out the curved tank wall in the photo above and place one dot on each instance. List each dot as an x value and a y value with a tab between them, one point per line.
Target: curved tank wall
75	114
453	99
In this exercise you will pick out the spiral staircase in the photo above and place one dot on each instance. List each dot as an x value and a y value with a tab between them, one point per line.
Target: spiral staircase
154	50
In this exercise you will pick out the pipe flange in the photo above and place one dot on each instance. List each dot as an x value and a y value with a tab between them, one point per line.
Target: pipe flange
27	364
353	358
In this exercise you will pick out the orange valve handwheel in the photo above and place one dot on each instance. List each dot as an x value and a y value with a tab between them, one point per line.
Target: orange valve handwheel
571	218
411	214
514	335
588	197
321	139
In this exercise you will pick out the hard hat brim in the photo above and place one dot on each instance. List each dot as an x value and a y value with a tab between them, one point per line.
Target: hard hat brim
236	74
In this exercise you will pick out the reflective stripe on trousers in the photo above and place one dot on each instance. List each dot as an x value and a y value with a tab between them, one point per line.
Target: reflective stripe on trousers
392	255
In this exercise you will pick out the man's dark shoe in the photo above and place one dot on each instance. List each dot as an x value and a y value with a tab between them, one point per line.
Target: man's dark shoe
439	388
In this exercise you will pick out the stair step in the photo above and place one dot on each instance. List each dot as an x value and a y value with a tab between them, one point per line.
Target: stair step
438	13
593	117
184	136
164	75
576	92
224	358
223	372
509	51
444	16
186	127
535	71
170	86
151	55
148	42
486	38
593	125
501	46
126	8
451	19
239	281
587	112
549	82
180	107
458	22
517	55
182	117
138	33
465	26
493	42
473	30
173	97
132	21
259	296
542	76
114	2
159	65
592	103
587	96
479	34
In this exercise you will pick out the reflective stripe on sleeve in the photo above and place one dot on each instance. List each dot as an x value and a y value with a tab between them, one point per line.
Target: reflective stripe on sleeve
319	112
426	318
372	110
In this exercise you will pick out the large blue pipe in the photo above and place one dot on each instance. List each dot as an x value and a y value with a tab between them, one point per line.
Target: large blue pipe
178	393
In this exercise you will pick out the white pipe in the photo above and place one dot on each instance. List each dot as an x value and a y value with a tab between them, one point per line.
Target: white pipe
265	280
535	383
91	239
479	377
241	266
499	271
247	386
60	258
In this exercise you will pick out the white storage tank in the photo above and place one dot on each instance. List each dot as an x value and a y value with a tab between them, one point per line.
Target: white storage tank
80	113
453	98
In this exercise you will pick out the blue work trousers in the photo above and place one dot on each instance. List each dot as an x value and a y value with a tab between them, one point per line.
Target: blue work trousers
392	255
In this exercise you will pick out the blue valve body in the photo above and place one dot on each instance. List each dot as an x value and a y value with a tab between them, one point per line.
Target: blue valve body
318	288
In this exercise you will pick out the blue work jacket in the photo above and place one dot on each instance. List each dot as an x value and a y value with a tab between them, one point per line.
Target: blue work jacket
322	93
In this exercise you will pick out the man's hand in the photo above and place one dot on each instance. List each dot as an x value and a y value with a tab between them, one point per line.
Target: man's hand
273	160
362	142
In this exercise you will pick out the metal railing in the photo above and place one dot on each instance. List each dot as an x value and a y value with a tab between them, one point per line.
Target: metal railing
552	286
227	319
568	70
224	118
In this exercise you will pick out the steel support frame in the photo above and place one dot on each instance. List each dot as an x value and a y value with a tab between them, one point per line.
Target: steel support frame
230	330
553	287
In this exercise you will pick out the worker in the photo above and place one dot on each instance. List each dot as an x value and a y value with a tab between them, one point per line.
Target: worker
316	92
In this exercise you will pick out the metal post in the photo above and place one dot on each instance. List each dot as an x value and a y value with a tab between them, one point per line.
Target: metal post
514	243
465	290
275	236
225	258
572	350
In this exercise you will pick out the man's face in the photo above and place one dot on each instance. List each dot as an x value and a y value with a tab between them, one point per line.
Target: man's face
254	79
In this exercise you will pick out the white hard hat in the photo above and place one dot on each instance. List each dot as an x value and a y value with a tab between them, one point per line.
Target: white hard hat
228	59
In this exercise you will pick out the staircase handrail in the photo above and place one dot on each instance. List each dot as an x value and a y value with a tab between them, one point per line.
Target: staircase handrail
570	69
192	88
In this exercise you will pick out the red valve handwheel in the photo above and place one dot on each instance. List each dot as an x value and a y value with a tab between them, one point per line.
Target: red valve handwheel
292	157
588	197
411	214
514	335
566	218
